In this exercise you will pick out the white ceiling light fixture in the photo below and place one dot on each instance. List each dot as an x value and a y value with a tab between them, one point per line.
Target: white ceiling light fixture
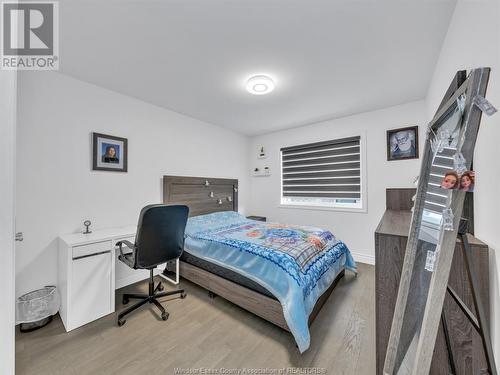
260	85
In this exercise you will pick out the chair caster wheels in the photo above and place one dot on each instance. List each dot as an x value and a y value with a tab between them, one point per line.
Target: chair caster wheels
183	295
161	287
125	300
164	316
121	322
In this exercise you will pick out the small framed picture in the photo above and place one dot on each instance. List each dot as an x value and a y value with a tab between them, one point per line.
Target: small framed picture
110	153
402	143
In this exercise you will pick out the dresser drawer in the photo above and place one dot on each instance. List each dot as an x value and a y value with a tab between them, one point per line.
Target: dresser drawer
91	249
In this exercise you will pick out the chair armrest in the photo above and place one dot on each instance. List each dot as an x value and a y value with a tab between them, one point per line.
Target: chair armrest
129	244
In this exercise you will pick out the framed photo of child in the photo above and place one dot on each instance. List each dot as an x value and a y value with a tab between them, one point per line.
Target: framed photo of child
109	153
402	143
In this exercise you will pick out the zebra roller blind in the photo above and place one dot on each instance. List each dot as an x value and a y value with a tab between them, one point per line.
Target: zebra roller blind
436	198
327	172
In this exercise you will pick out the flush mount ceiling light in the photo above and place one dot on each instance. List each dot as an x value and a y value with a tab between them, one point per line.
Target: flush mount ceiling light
260	85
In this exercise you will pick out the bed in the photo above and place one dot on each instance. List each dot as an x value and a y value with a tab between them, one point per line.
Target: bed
281	273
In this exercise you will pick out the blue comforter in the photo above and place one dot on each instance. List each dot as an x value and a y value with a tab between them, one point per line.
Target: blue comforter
296	264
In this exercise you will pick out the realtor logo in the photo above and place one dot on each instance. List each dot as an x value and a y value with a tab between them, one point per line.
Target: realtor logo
30	35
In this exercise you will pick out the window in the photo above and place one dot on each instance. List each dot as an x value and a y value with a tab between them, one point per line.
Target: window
323	174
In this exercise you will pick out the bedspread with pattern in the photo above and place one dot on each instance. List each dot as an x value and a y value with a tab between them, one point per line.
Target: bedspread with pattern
295	263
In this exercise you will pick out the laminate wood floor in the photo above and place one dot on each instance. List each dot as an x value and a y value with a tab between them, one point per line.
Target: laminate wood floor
210	334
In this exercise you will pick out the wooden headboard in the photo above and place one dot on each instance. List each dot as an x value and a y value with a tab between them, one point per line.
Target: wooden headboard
203	195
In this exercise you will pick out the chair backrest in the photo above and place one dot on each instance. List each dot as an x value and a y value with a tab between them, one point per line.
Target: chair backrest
160	234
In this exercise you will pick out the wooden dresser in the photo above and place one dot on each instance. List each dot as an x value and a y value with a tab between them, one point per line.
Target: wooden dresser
391	236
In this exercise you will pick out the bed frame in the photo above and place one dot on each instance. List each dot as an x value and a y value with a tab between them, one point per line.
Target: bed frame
204	195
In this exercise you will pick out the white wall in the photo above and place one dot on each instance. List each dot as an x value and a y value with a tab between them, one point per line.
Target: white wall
56	189
473	41
7	180
356	229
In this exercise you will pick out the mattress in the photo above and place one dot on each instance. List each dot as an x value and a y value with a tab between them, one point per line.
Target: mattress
297	264
225	273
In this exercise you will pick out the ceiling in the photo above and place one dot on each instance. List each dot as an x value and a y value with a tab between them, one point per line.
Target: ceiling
329	58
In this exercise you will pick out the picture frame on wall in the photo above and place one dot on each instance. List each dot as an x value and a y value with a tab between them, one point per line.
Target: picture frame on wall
402	143
109	153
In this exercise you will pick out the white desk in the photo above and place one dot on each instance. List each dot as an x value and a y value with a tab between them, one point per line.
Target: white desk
89	272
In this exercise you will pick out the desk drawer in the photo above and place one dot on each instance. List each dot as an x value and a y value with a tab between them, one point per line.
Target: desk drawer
91	249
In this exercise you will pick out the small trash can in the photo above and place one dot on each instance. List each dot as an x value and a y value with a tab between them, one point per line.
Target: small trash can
35	309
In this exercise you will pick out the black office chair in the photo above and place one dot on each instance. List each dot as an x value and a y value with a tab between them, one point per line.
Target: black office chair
159	239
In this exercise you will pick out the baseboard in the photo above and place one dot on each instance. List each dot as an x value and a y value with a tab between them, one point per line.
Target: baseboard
363	258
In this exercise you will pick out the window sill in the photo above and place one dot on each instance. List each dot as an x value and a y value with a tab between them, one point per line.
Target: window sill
323	208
